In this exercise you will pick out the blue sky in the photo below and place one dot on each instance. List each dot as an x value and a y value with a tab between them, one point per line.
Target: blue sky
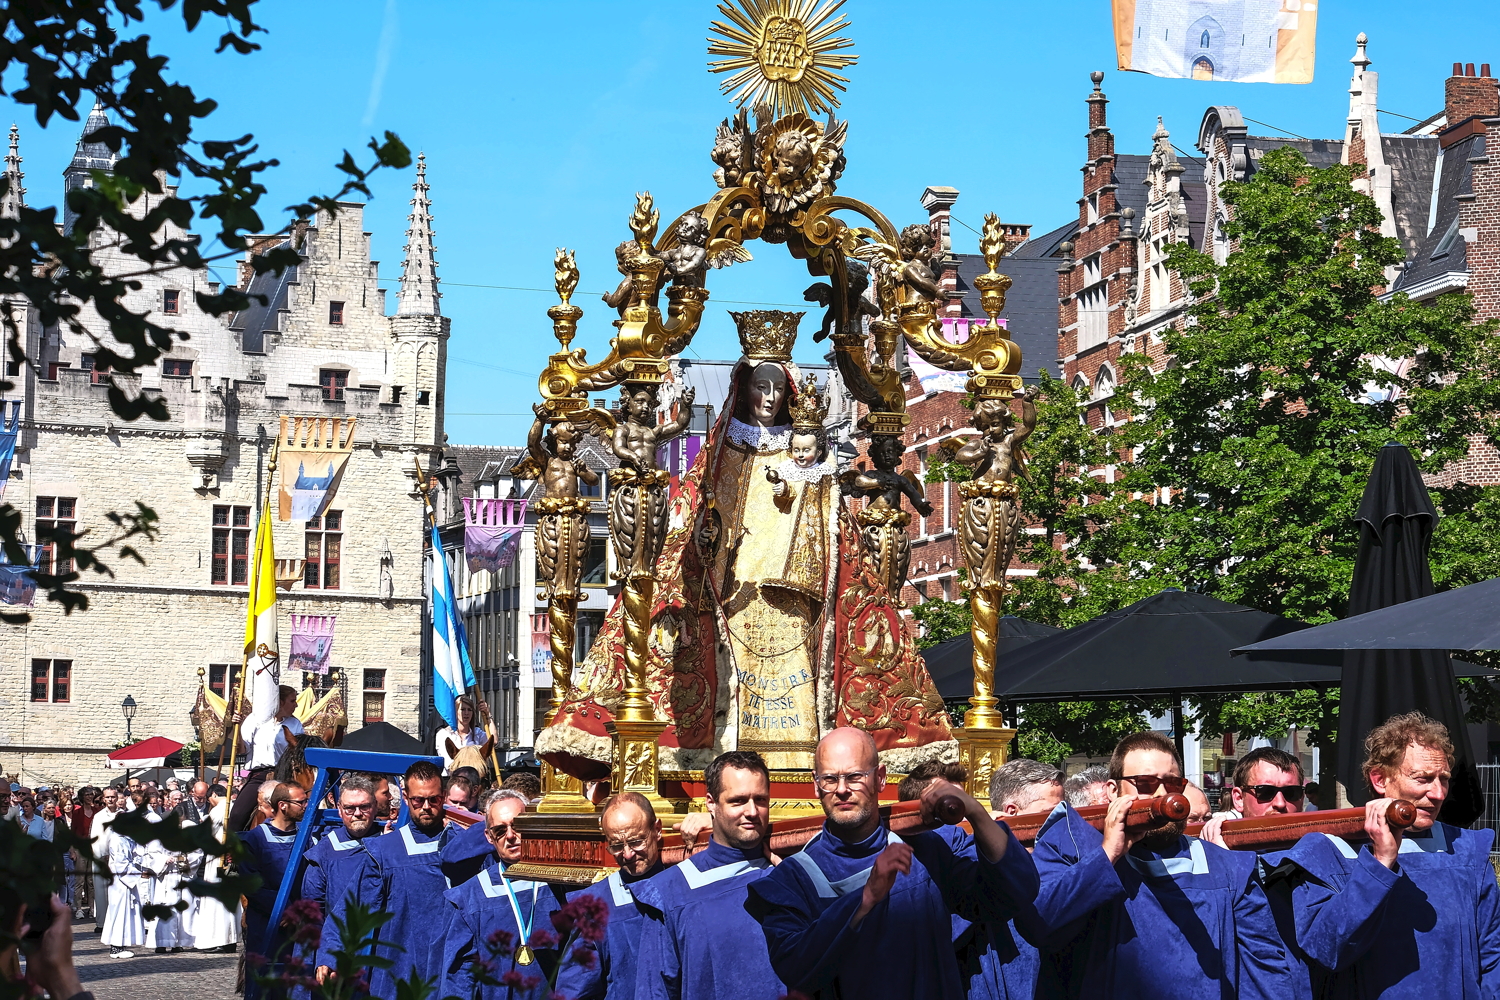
541	120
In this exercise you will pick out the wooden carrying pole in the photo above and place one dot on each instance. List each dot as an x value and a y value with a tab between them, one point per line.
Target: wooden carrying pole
481	708
1143	813
1266	832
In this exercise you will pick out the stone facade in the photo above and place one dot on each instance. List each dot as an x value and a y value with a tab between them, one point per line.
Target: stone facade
322	346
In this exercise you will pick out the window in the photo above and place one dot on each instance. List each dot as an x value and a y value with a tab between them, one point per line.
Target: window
12	368
169	298
334	381
231	551
596	565
55	517
374	700
51	680
424	397
1203	40
177	366
587	489
396	393
1093	208
1093	317
336	314
222	677
53	368
98	374
324	542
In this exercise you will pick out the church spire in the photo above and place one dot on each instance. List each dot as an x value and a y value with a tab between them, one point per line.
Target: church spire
15	194
87	157
418	295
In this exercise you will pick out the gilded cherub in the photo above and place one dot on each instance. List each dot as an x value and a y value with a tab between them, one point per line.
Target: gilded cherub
916	251
883	485
625	253
996	454
687	259
637	436
562	530
731	151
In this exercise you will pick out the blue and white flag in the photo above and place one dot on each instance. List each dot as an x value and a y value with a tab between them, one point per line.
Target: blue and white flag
18	583
451	673
10	429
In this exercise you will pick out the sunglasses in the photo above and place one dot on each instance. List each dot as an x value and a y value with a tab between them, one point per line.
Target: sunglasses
431	800
1266	793
1147	784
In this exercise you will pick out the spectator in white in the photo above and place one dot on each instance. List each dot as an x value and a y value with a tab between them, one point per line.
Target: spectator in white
32	822
1089	787
213	926
264	744
465	734
165	875
1267	782
124	927
99	834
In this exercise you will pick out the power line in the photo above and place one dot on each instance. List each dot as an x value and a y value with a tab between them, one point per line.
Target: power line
553	291
1279	129
1400	115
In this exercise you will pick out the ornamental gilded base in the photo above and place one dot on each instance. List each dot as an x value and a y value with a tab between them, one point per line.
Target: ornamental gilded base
562	793
636	761
981	752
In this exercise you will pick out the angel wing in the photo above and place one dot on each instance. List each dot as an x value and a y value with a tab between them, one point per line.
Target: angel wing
835	131
912	478
596	420
723	252
876	253
527	468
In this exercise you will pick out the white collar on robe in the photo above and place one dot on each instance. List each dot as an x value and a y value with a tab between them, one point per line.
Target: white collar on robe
1196	863
492	890
1435	844
274	834
344	845
412	847
698	879
844	886
618	890
778	438
794	473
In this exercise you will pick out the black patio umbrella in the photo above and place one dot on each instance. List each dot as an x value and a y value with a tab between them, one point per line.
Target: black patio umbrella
382	737
1396	519
1464	618
951	663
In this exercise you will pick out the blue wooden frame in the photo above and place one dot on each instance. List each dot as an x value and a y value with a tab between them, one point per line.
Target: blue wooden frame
326	759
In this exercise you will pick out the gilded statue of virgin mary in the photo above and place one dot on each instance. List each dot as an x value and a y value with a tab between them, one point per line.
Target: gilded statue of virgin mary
770	625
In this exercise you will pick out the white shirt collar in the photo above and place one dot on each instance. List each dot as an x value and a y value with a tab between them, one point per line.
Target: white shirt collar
778	438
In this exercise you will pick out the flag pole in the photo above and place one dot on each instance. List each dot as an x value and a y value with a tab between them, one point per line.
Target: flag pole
239	712
480	706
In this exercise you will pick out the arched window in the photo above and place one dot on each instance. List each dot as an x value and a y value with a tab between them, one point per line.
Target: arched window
1104	385
1204	40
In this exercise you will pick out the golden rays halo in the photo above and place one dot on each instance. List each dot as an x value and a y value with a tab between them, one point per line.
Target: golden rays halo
782	53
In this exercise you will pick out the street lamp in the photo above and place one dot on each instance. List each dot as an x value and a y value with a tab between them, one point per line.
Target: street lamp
127	708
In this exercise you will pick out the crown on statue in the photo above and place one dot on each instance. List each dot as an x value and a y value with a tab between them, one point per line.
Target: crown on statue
809	408
767	334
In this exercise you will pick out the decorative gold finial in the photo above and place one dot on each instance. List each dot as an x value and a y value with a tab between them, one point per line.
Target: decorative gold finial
767	334
992	286
644	220
810	408
564	274
565	315
782	53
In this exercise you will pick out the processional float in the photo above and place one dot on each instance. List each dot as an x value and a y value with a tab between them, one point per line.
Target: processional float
776	180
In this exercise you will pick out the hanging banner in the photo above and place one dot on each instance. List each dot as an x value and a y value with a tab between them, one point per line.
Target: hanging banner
1243	41
10	430
312	640
17	586
492	532
314	451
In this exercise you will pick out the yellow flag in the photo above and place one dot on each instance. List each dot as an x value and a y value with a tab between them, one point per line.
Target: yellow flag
262	656
1248	41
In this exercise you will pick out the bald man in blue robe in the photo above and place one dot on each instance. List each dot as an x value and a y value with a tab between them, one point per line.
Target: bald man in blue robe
632	834
492	907
1411	914
698	942
400	874
862	912
1149	916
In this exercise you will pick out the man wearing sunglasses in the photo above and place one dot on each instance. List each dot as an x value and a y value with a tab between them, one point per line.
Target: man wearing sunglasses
1411	914
493	916
632	835
862	912
1135	913
399	873
1267	782
334	861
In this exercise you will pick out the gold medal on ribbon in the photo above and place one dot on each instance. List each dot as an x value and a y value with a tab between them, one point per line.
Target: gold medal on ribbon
524	956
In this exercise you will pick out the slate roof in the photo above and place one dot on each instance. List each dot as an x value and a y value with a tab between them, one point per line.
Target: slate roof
1319	153
1131	172
1031	304
1411	160
1442	250
254	323
482	461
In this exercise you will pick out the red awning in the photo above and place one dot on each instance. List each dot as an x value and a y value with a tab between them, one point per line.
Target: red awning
147	753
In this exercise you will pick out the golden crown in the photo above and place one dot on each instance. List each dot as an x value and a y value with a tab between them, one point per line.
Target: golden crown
767	334
809	408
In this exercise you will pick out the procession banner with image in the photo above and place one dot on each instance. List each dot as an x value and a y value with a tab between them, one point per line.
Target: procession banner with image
314	451
1243	41
312	641
10	430
492	532
17	584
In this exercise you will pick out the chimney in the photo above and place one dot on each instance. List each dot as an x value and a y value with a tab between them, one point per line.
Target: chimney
1469	96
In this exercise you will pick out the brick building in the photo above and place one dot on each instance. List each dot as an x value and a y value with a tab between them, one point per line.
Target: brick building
323	346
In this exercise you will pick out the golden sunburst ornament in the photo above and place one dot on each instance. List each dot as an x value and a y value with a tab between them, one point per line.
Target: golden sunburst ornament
782	53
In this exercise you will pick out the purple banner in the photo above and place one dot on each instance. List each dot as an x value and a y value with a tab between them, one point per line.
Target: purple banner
490	547
312	642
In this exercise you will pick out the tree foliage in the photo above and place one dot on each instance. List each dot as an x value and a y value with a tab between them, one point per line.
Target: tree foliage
59	56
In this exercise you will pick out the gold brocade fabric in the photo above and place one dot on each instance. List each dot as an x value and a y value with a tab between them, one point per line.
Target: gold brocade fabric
772	583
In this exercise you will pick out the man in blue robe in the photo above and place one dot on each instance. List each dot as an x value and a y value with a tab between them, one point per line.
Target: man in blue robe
1410	915
1130	914
997	960
399	874
698	942
499	923
269	849
333	863
632	833
857	890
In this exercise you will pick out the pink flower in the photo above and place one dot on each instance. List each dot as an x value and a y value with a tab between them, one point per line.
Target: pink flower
588	914
583	955
500	941
515	980
542	939
252	959
304	918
